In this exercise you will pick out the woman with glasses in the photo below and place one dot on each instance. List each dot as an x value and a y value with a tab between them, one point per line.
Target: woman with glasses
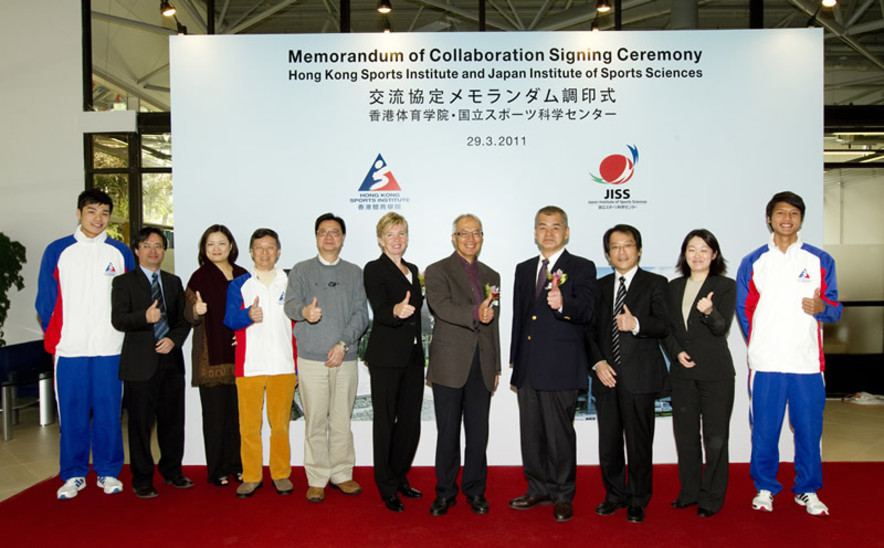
213	352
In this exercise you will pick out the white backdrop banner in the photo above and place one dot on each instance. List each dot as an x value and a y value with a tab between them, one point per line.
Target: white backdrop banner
667	131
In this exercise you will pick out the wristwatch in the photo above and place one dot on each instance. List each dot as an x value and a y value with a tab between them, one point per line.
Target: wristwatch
344	346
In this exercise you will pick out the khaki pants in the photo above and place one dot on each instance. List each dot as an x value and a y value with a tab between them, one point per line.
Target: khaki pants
328	395
280	391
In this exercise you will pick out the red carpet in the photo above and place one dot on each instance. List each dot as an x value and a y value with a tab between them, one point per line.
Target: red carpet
211	516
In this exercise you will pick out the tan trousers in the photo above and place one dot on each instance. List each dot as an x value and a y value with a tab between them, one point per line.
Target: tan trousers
280	391
328	395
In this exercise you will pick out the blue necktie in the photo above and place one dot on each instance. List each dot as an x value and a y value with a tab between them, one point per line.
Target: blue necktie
161	328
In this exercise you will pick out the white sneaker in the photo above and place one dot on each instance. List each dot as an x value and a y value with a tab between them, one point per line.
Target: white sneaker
70	488
763	501
110	484
812	503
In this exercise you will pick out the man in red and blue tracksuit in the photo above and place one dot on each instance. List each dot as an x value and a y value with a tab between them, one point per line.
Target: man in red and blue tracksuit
74	306
786	290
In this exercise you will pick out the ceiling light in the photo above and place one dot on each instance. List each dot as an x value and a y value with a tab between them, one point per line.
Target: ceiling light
603	6
594	26
167	9
829	3
384	6
387	28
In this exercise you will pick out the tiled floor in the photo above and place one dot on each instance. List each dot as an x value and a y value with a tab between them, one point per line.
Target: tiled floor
850	433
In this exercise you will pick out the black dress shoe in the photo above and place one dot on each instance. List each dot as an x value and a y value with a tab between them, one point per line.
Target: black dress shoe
704	513
146	492
478	504
181	482
410	492
678	504
635	514
563	511
221	481
393	503
441	505
528	501
607	507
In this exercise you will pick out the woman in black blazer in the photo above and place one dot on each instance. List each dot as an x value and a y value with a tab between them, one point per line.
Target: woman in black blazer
395	360
701	307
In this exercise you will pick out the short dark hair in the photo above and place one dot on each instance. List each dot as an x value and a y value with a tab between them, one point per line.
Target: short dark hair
234	251
628	229
261	233
329	217
143	234
790	198
94	196
551	210
718	266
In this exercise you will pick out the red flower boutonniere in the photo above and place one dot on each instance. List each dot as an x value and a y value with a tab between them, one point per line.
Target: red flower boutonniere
556	279
494	292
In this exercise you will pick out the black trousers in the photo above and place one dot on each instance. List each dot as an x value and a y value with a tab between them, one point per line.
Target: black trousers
469	404
630	416
397	395
160	399
702	406
549	442
221	430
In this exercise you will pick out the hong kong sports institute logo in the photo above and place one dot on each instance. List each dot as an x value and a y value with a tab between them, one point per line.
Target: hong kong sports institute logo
379	178
379	190
616	169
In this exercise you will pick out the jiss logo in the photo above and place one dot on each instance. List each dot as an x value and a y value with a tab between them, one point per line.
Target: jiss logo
616	170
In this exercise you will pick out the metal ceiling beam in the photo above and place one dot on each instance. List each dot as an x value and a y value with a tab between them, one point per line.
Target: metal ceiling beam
583	14
196	15
515	12
464	14
140	25
541	13
261	16
507	14
858	12
130	89
839	32
245	15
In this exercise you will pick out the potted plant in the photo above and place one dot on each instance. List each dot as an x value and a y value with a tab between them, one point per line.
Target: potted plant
12	257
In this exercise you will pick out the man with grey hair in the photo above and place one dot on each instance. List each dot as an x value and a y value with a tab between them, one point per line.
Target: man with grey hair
553	300
464	363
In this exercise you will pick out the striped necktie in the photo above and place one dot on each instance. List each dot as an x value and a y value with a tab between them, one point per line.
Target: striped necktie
161	328
618	308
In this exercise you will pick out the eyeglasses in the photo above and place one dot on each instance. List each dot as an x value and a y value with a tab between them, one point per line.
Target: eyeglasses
265	249
145	245
332	233
476	234
625	247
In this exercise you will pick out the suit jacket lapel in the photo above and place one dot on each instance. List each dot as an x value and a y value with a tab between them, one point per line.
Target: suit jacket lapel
460	276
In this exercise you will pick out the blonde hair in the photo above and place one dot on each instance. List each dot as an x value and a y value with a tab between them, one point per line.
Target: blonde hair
391	219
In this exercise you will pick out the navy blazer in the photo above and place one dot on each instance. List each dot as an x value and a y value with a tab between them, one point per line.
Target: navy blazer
642	368
547	346
705	339
130	299
392	338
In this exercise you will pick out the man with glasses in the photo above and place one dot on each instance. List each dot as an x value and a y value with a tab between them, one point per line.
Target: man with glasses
265	363
464	363
326	298
148	306
553	300
629	371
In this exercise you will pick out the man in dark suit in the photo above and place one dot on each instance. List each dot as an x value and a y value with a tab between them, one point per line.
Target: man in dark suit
464	363
629	371
148	306
553	298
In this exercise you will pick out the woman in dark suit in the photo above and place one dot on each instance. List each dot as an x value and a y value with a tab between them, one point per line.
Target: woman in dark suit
395	359
701	307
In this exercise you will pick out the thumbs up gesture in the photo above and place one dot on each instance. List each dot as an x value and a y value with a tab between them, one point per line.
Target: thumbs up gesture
554	295
625	320
813	305
200	307
153	313
486	313
704	305
256	313
312	313
402	309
